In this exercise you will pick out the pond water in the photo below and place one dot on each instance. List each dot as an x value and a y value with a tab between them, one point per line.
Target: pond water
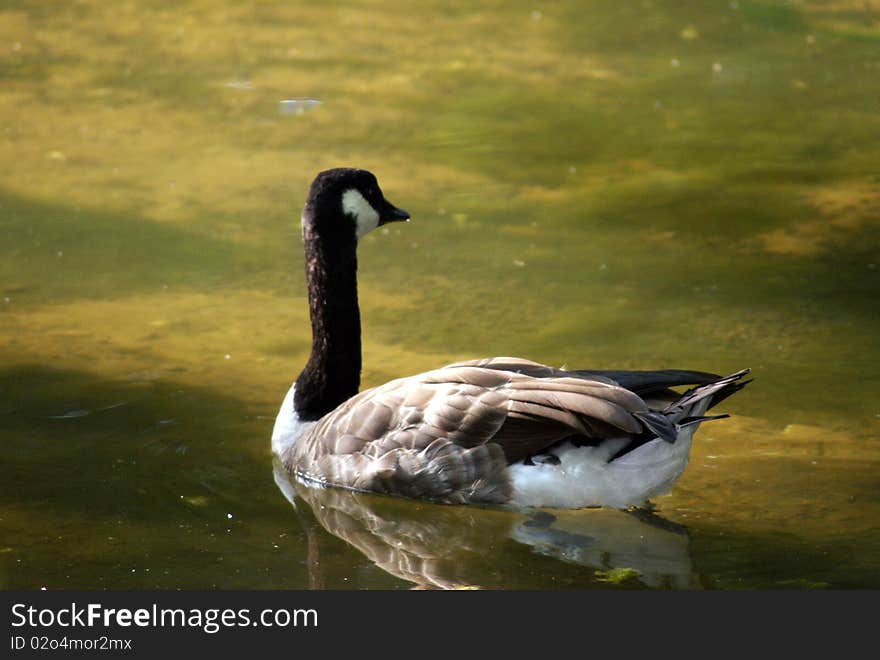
645	184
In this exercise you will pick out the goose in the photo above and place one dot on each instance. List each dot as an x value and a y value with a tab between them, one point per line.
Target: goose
496	431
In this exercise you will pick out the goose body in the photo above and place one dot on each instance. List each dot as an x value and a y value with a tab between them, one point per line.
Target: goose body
495	431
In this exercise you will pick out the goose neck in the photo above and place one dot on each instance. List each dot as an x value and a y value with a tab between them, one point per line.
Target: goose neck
332	374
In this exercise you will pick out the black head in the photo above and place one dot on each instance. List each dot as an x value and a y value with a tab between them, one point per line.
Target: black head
350	198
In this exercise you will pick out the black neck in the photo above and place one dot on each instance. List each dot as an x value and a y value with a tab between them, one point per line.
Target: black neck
332	374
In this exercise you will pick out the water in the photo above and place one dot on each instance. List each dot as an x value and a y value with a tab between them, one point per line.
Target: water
612	185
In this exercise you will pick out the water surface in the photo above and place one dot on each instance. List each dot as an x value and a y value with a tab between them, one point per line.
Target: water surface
604	185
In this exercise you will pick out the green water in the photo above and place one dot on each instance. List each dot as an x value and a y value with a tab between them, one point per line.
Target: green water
593	184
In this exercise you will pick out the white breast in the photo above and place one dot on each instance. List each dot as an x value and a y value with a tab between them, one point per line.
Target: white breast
288	426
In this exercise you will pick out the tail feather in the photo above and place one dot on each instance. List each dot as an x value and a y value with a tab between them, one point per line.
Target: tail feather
690	421
659	424
718	391
684	412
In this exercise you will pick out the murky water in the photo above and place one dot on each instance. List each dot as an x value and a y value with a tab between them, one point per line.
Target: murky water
605	184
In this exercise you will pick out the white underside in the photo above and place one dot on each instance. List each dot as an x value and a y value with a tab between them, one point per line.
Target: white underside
583	476
288	427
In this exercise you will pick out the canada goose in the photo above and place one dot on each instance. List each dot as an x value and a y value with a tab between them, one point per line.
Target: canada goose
499	430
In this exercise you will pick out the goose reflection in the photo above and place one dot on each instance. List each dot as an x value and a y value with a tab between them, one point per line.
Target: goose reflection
436	546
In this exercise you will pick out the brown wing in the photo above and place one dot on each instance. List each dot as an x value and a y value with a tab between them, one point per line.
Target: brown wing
449	434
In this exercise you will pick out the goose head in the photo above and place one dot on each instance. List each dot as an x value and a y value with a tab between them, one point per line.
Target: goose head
347	201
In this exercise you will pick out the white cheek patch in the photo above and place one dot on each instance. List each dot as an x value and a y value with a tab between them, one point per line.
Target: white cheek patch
365	216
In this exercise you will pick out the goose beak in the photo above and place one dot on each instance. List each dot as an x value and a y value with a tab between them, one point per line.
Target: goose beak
392	214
